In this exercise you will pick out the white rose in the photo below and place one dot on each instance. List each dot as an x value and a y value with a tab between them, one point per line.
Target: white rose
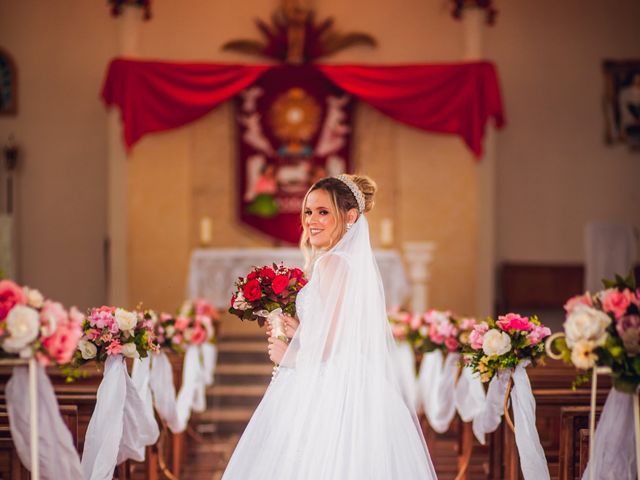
87	349
23	325
34	297
496	342
126	320
582	355
130	350
423	331
170	331
240	303
586	323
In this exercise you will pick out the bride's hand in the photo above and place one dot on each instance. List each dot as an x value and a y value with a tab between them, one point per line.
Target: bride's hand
291	325
276	350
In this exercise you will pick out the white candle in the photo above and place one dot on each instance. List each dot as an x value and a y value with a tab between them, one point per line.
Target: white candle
386	232
206	229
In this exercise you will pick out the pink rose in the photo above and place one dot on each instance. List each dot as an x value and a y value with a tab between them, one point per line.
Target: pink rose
626	322
114	348
399	332
198	335
434	335
513	321
538	334
10	295
51	316
203	307
415	322
76	316
182	323
476	337
452	344
573	302
61	345
617	302
467	323
92	333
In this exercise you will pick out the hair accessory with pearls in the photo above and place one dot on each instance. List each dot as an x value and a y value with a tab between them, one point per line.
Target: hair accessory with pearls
357	193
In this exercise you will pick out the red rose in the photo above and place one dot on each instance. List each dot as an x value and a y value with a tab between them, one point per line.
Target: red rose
297	274
252	275
268	273
10	295
279	284
233	299
252	291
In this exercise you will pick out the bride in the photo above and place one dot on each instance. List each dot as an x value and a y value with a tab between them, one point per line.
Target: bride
335	410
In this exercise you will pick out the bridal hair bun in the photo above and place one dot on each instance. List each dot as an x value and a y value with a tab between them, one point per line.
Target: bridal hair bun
368	188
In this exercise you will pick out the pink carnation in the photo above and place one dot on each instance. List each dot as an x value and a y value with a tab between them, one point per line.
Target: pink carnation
476	337
513	321
10	295
538	334
617	302
626	322
573	302
434	335
114	348
102	317
199	335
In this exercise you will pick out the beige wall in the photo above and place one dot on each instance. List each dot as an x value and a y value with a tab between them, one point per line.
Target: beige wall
553	174
60	49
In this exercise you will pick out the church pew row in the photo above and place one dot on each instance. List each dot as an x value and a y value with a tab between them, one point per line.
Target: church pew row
77	402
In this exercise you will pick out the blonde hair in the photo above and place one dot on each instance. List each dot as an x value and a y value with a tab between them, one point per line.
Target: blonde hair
342	200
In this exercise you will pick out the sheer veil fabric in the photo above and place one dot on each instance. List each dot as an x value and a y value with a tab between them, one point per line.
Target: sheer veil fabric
336	408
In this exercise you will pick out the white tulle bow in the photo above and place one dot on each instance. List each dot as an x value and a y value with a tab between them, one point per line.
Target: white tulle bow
120	427
58	457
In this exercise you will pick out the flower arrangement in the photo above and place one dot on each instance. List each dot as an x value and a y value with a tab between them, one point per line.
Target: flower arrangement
109	331
603	330
503	344
445	332
32	325
266	289
405	326
193	325
459	5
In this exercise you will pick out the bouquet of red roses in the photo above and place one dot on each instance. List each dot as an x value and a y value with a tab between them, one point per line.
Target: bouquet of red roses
266	289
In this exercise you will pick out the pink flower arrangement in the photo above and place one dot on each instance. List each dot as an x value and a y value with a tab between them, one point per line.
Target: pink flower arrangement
194	325
502	344
109	331
31	325
445	332
404	325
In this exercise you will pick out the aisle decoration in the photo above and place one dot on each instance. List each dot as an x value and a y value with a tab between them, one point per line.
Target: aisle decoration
499	351
121	426
602	335
32	327
444	387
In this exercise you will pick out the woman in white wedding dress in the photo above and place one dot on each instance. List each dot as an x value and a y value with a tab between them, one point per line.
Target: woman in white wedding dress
336	409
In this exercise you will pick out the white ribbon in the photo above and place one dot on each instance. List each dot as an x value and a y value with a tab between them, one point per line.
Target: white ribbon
119	428
192	391
58	457
209	358
140	376
406	364
437	383
470	397
164	391
532	460
489	419
614	453
429	379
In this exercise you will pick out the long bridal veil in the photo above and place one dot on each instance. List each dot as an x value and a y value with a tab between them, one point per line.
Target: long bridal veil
336	409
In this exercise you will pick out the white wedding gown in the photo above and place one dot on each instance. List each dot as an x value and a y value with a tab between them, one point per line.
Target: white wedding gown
336	410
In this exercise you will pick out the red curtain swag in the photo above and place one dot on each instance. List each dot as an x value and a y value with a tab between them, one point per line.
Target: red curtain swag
445	98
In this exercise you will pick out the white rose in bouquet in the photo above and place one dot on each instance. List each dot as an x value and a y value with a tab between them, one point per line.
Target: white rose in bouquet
496	342
586	323
126	320
582	354
130	350
87	349
240	302
23	326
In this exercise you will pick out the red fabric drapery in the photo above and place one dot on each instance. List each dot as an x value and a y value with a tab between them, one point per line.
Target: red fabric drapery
456	98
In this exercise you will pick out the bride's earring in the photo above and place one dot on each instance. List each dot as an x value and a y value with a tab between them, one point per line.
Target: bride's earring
349	225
